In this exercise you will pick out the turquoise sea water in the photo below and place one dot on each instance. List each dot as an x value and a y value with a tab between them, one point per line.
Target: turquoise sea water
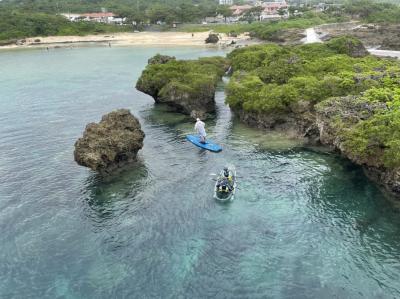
304	224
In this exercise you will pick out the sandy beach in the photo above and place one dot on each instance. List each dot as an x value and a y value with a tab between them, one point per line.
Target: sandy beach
132	39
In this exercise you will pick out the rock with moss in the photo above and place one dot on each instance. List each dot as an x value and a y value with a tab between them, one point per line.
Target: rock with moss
366	133
111	143
348	45
160	59
188	86
330	93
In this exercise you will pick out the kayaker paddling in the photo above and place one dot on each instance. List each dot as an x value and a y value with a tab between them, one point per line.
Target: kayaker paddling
200	129
225	186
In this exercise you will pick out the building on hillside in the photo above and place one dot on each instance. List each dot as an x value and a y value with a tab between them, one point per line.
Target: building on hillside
216	19
71	16
238	10
274	10
225	2
100	17
325	6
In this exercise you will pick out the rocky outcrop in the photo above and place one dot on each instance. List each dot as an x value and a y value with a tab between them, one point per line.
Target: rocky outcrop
110	144
326	123
188	86
334	117
196	102
298	123
160	59
349	46
292	36
212	38
386	36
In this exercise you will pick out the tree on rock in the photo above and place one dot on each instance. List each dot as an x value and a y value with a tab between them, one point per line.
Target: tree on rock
188	86
111	143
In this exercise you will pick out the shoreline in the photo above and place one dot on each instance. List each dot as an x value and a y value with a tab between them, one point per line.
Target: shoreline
134	39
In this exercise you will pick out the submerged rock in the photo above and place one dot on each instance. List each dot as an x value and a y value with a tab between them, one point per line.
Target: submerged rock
111	143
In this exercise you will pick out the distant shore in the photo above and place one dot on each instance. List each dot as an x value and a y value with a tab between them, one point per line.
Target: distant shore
133	39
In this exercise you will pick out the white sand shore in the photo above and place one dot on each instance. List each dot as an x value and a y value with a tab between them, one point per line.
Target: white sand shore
131	39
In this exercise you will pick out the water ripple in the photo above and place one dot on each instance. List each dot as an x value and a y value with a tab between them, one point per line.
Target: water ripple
304	224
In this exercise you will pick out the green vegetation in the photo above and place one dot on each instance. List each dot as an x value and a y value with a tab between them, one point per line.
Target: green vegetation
272	79
376	138
21	25
269	77
135	10
193	77
266	30
26	18
374	12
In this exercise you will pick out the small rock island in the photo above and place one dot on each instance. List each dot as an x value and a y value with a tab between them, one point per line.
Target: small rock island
110	144
188	86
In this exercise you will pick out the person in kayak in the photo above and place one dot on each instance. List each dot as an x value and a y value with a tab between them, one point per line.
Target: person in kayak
226	182
199	127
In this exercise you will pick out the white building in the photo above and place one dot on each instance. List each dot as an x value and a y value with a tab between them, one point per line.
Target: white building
225	2
100	17
71	16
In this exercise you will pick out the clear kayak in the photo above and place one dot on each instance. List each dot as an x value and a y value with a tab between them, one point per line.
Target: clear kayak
225	187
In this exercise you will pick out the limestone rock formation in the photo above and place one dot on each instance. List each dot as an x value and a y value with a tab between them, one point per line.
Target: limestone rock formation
335	116
110	144
188	86
192	101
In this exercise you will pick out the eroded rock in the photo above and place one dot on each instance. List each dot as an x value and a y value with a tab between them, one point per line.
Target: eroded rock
188	86
111	143
337	115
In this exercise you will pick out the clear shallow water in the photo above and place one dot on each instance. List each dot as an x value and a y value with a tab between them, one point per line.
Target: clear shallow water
304	223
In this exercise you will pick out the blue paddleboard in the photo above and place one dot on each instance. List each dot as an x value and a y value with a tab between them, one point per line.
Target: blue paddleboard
209	145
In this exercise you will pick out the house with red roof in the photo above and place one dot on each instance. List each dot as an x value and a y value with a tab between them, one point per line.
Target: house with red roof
238	10
272	9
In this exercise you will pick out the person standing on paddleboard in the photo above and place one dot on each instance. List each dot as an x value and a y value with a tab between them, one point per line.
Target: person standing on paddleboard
199	127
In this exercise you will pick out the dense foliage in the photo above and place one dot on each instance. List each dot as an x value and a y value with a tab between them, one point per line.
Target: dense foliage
270	79
374	12
20	25
186	76
135	10
269	31
376	136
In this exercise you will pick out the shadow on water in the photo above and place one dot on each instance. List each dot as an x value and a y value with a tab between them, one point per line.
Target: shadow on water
161	116
106	195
